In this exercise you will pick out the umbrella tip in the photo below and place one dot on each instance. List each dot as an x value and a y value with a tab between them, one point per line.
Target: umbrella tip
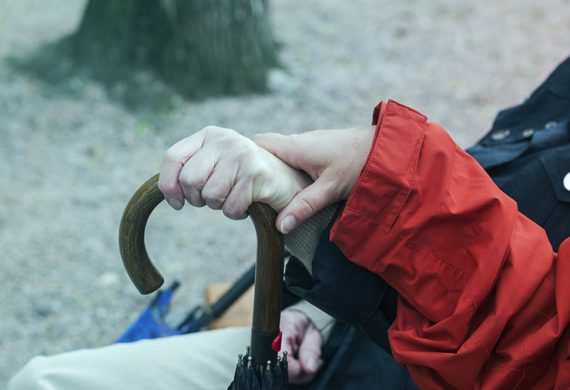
240	360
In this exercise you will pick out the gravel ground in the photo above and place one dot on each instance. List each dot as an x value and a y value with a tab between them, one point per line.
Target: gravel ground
71	161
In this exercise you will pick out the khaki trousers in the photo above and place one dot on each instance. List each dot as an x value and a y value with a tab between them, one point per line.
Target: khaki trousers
204	360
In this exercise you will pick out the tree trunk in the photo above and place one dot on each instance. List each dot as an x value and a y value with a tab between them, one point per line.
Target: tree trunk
199	47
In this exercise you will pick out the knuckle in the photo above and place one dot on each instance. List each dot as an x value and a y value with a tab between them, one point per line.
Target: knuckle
167	187
240	150
210	129
192	181
242	155
225	143
170	155
212	196
163	187
219	131
234	210
232	214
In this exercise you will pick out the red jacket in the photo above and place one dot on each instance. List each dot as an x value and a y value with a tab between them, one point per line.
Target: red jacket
485	302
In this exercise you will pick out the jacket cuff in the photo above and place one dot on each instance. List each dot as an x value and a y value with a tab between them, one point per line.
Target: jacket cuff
302	242
389	224
391	165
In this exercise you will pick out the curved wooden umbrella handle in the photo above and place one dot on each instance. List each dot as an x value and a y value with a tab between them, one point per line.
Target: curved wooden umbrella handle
269	265
140	268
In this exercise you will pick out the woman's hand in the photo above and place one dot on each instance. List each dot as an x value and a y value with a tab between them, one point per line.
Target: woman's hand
224	170
303	342
333	159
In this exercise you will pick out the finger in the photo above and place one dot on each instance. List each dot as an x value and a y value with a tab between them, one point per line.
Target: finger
194	176
290	344
292	328
310	350
218	185
305	204
174	159
286	147
295	370
292	331
238	200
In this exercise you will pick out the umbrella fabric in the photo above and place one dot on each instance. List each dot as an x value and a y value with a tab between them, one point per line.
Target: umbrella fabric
151	323
269	376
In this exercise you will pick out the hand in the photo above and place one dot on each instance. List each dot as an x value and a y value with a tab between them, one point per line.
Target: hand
333	159
222	169
303	342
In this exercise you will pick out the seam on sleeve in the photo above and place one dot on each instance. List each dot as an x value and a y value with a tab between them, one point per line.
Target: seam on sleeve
361	213
404	194
412	244
481	343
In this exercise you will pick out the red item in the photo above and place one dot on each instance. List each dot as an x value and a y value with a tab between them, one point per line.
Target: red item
485	303
276	343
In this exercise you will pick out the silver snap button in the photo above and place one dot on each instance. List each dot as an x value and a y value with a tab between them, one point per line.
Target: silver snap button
550	124
527	133
566	181
500	134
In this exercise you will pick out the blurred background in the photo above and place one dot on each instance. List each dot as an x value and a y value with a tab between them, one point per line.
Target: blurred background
93	93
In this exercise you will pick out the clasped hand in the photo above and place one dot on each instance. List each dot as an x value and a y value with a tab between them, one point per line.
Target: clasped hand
220	168
296	175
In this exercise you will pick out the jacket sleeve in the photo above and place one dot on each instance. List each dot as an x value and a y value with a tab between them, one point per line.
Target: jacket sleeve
483	299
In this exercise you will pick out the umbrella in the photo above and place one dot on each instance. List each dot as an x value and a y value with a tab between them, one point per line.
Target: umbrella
152	324
260	367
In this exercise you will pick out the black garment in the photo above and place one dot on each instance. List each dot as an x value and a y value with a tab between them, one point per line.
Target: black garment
527	153
353	361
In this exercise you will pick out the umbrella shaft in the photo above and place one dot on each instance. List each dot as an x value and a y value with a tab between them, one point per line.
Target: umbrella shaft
261	349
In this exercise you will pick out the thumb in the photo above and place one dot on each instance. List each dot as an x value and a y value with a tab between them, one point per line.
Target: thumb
305	204
310	350
284	147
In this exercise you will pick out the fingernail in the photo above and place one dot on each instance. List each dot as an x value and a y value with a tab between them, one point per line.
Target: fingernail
174	203
288	224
